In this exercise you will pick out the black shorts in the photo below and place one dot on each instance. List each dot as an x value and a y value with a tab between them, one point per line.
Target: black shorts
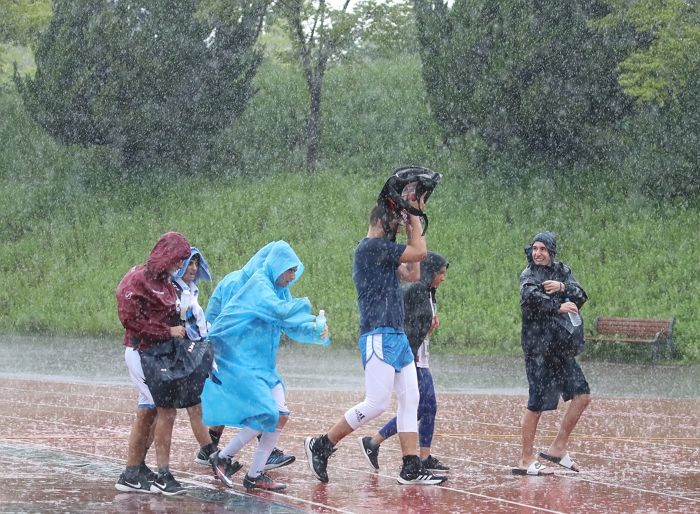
550	377
178	393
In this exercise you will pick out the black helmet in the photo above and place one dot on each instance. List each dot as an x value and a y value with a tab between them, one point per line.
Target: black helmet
425	181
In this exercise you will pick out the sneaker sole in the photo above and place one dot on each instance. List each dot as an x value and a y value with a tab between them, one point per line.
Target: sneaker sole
364	452
167	493
310	458
203	462
429	481
224	479
127	489
254	487
290	459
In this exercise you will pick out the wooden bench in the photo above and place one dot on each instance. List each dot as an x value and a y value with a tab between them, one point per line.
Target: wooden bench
635	331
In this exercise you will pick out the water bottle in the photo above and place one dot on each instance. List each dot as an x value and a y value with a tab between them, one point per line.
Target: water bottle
320	322
575	317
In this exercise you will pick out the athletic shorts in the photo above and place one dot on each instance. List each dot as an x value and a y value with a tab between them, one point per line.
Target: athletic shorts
133	364
387	344
551	377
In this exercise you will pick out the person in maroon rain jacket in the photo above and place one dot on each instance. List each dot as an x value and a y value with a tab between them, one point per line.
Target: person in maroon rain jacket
147	308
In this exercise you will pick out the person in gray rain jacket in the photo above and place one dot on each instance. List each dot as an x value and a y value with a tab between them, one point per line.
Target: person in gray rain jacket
548	294
420	307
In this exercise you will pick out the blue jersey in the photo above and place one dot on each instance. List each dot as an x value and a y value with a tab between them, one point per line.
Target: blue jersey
379	294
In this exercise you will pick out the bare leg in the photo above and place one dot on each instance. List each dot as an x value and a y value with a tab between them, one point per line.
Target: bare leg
424	452
573	413
409	442
528	425
377	438
141	435
341	429
163	435
199	429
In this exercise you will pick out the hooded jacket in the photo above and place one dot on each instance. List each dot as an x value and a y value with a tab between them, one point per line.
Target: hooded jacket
146	297
539	310
195	323
418	299
232	283
245	337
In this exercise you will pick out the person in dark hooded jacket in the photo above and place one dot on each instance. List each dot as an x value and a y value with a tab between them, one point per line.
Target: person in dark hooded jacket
147	308
548	294
421	318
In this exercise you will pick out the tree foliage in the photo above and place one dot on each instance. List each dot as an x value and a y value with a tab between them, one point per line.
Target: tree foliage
145	78
662	69
23	20
529	75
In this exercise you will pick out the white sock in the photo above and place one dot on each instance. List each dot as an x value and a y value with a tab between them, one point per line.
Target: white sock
238	442
267	443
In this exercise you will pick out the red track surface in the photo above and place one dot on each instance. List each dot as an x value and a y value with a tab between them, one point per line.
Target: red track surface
63	445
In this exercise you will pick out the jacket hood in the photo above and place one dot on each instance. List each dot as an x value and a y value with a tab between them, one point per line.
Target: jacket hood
280	258
202	269
430	267
171	248
550	242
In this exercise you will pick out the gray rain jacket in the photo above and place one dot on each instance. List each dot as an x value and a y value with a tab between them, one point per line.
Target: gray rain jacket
540	311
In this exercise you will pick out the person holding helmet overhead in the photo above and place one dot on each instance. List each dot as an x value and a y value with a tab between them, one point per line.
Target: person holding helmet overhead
380	264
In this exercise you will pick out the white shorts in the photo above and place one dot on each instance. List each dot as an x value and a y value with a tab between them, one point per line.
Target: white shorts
133	364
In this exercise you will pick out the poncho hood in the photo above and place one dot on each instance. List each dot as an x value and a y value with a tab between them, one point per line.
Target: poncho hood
430	267
280	258
169	250
202	269
550	242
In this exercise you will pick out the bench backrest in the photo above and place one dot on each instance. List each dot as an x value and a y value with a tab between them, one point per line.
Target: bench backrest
634	326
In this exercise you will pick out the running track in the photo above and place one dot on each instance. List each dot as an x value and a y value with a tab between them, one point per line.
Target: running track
63	445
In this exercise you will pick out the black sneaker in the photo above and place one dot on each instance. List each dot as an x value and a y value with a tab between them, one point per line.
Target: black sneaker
224	468
262	482
140	484
215	436
413	473
430	463
318	450
204	453
370	451
147	472
167	485
278	459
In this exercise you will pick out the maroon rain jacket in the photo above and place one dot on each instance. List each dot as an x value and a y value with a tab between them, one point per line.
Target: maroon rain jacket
146	297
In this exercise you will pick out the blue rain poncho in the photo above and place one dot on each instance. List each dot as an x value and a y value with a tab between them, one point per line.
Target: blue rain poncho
232	283
245	337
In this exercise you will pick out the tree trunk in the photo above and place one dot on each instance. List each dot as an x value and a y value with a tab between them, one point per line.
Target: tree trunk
313	128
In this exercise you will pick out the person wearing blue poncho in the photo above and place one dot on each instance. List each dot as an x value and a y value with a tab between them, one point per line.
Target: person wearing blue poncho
224	291
245	389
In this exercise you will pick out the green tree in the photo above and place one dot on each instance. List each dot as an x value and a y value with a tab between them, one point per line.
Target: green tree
23	20
150	81
529	75
661	139
317	32
665	66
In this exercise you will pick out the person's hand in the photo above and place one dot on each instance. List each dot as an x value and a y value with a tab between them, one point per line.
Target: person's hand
567	307
326	332
178	331
553	286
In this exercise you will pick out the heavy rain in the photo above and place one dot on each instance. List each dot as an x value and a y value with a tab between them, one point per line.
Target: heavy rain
187	186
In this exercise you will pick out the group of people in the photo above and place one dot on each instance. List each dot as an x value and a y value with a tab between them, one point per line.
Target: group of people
220	364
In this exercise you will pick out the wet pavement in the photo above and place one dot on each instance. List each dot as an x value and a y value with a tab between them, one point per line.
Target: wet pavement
67	408
309	367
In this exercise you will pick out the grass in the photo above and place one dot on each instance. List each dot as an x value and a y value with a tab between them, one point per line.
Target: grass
71	226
